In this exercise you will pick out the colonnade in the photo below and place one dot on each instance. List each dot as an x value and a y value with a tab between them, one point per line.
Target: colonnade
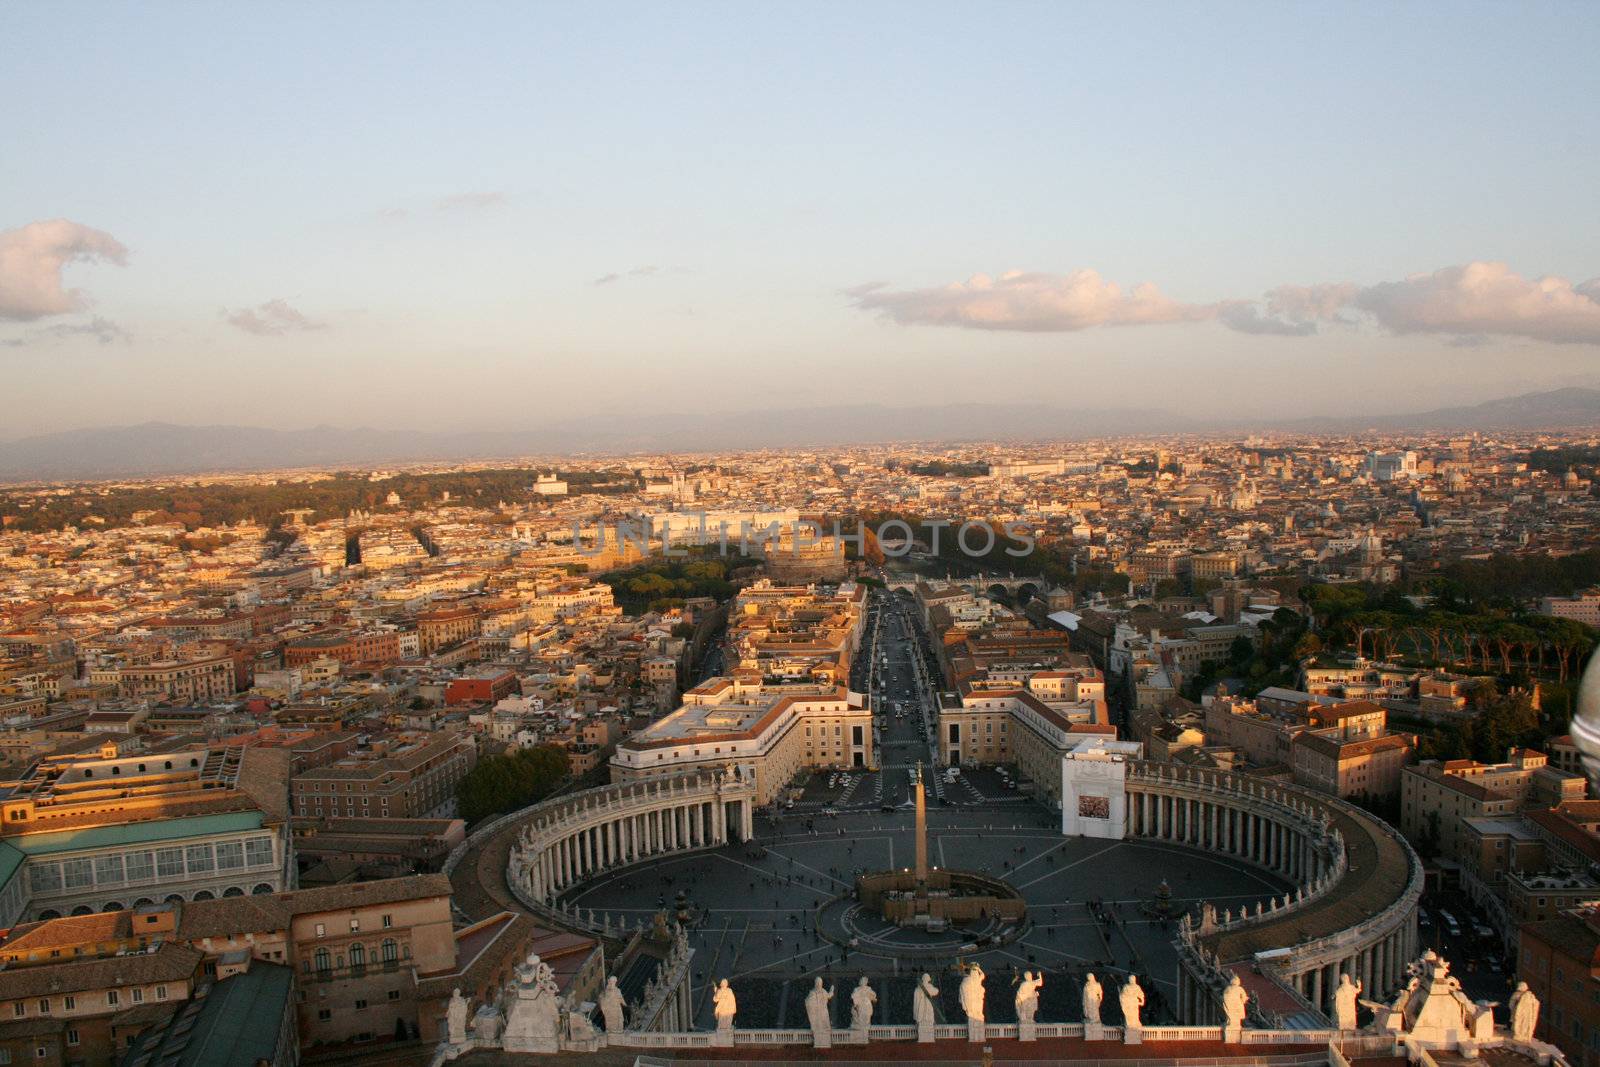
1301	837
568	842
1232	824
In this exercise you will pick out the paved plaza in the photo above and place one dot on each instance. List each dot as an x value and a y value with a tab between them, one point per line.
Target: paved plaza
767	915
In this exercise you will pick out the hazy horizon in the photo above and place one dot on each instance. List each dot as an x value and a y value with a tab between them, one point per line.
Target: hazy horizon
402	216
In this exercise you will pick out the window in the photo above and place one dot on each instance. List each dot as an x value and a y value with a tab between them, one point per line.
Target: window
141	866
324	1014
358	958
44	1007
77	873
108	870
19	1009
199	858
70	1003
258	851
138	996
112	998
72	1037
394	994
355	926
45	877
388	921
324	962
322	931
360	1004
161	992
391	950
230	855
169	862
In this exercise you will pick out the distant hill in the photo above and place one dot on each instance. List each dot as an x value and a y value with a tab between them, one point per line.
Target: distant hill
157	448
1558	409
162	448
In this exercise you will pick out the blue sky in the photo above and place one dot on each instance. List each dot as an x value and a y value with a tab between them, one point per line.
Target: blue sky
392	214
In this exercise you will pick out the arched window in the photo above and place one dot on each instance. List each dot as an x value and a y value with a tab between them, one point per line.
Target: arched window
358	958
324	963
391	951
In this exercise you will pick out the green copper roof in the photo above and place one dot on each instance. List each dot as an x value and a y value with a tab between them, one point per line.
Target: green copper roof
133	833
11	858
241	1021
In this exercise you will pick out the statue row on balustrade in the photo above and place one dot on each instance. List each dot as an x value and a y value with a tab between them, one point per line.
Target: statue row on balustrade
531	1016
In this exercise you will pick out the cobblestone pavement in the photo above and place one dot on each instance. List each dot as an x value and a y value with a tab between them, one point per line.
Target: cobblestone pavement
756	908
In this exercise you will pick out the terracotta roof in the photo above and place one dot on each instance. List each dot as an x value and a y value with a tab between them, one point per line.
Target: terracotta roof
366	894
168	963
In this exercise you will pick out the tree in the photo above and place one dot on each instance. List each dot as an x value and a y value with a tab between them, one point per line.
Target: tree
507	782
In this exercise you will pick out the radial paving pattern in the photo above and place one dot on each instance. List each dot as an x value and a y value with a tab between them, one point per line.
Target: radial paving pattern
772	914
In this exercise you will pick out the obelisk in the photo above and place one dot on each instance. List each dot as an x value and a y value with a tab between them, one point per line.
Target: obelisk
922	828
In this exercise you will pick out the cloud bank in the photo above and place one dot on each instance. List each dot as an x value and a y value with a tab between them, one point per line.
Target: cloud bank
32	258
1036	303
271	319
1476	299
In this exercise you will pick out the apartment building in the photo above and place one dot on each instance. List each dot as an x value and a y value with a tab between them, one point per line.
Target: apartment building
347	647
1031	724
1559	958
771	730
1581	607
362	955
1435	797
89	1011
401	776
445	626
194	681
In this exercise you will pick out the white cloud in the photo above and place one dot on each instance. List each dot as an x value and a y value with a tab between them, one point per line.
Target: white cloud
1039	303
31	261
1467	303
271	319
1288	310
1487	298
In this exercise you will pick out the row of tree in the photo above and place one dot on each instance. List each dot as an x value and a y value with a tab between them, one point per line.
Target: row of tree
507	782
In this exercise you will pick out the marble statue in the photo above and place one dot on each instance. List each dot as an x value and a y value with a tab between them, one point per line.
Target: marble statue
862	1001
819	1016
922	1007
1028	995
1092	995
971	993
533	1023
1345	997
724	1004
1234	1002
612	1008
1132	1000
456	1017
1524	1009
1092	1000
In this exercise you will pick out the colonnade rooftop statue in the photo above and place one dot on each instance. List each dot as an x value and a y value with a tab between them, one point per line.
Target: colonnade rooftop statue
1430	1012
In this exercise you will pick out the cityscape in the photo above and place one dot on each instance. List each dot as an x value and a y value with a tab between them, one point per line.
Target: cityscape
638	535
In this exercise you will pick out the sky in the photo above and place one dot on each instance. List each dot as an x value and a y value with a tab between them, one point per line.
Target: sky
454	216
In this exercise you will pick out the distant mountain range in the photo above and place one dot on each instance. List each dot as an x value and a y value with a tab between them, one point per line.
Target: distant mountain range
158	448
